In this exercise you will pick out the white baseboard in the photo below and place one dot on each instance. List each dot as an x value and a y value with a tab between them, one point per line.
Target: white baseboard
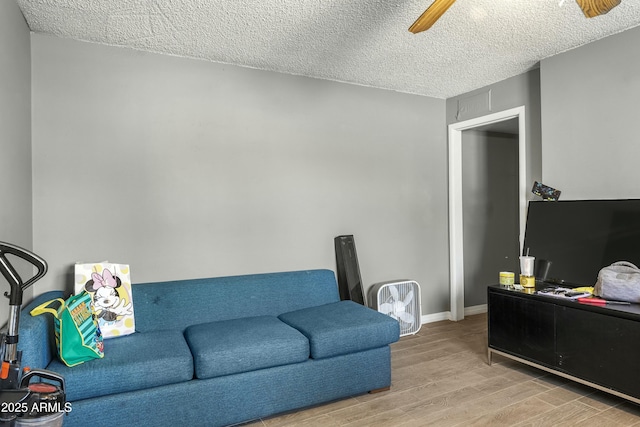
446	315
476	309
436	317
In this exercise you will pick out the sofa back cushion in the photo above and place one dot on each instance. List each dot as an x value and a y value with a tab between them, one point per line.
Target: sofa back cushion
182	303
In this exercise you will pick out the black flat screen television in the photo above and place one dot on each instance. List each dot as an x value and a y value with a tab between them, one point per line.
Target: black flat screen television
579	237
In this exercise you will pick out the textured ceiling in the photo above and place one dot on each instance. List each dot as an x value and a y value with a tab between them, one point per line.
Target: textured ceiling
365	42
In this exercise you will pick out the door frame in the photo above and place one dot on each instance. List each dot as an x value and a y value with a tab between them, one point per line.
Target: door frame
456	247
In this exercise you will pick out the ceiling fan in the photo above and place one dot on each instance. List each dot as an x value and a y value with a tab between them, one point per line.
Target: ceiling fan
590	8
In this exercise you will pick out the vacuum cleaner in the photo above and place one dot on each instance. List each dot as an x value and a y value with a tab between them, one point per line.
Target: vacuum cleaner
23	402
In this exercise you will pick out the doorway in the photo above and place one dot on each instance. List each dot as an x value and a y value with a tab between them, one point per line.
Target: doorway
489	208
457	194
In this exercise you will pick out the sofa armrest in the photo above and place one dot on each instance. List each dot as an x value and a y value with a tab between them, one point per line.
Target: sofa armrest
36	337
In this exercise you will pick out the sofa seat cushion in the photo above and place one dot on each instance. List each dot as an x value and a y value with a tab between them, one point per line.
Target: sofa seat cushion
342	327
246	344
132	362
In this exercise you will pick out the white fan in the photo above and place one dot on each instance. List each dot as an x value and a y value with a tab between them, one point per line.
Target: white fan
400	300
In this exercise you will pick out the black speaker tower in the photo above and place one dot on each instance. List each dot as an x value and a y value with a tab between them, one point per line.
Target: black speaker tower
348	271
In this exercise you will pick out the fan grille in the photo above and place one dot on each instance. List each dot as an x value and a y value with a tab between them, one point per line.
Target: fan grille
400	300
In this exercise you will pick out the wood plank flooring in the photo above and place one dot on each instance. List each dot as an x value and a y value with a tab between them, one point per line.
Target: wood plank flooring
440	377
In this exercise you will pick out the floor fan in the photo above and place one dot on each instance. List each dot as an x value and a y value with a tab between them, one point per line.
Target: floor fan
400	300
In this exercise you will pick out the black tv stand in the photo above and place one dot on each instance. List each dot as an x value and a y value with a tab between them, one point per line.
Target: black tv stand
594	345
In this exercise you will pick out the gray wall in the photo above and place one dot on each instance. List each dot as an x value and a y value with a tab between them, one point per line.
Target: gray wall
523	89
15	138
590	110
184	168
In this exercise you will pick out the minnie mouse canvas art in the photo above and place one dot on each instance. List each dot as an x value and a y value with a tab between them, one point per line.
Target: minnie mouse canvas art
107	303
110	289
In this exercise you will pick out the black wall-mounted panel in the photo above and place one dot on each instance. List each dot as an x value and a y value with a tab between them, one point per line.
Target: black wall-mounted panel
348	270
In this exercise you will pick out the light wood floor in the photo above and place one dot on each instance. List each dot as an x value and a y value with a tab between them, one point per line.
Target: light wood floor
440	377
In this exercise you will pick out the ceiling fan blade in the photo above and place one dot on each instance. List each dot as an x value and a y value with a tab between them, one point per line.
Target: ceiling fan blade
431	15
593	8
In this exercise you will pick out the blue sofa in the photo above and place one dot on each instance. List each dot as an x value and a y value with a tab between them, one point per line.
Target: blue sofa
219	351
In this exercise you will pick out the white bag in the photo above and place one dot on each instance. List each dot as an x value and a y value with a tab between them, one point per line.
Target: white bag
620	282
110	288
